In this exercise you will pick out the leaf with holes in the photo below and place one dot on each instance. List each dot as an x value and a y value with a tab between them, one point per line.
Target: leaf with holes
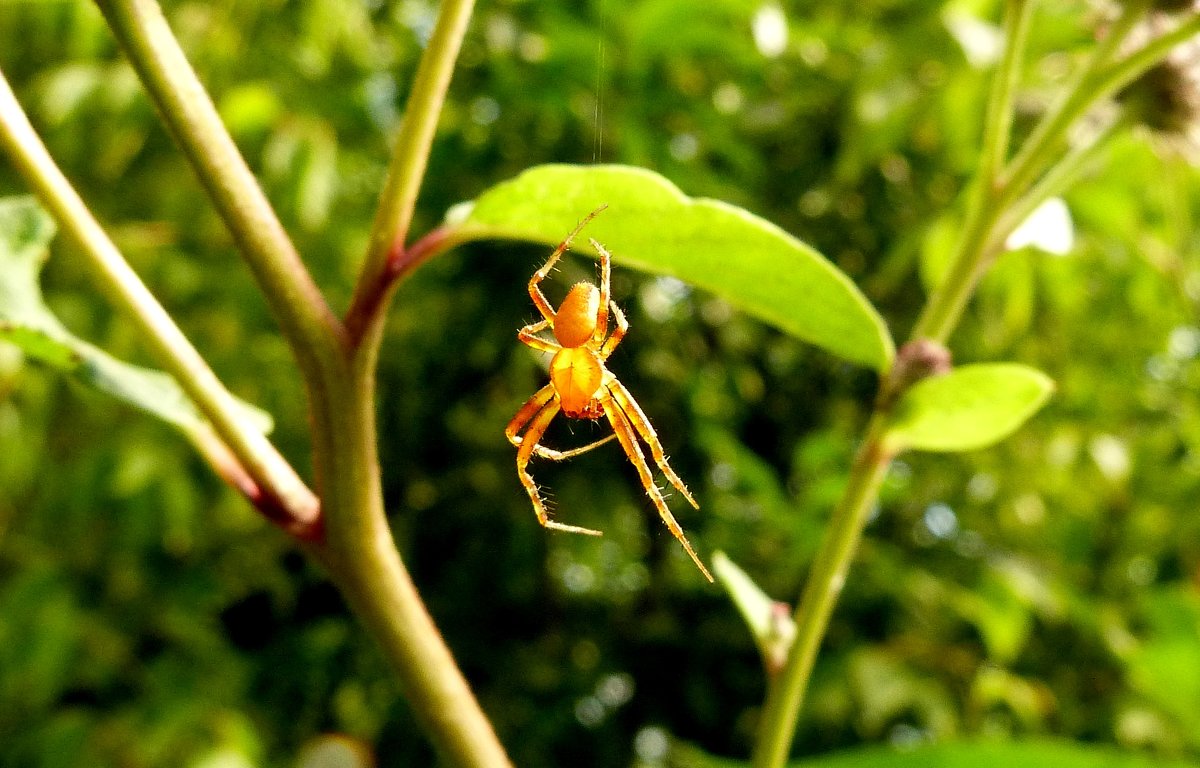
651	226
25	235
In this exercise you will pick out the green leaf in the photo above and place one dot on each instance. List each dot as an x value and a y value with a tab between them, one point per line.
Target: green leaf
25	320
971	407
994	755
1034	753
651	226
773	630
983	754
1161	666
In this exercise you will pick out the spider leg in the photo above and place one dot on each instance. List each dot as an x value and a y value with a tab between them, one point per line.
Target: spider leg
529	444
526	413
528	336
633	412
553	455
618	333
535	292
605	290
625	434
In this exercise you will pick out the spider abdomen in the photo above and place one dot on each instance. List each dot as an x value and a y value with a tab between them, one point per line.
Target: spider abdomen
577	374
575	321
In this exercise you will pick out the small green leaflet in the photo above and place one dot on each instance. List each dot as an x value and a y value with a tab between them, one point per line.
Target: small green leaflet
1034	753
971	407
652	226
25	235
773	631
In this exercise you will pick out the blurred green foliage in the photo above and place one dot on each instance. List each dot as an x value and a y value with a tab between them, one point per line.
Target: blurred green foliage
1047	586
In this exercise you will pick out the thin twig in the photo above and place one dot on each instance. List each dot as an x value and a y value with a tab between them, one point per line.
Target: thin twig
997	194
1077	98
394	213
948	300
276	488
1057	180
827	575
357	547
313	332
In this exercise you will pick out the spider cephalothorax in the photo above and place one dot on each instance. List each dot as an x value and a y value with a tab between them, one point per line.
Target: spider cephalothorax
583	388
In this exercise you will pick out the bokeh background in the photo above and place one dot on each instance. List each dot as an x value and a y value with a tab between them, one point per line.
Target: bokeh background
1047	586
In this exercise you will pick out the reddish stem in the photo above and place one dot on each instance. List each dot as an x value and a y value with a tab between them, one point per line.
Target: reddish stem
400	262
269	505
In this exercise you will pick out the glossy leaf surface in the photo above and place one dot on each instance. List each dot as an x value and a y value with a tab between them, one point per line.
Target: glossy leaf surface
971	407
650	225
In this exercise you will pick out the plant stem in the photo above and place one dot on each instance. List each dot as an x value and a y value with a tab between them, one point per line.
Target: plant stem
358	550
1125	71
1103	78
117	280
361	557
1076	98
1057	179
826	578
832	562
357	547
394	213
998	128
999	201
984	231
311	329
945	306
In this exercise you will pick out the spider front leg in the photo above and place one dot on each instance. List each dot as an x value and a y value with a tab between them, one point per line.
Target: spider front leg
605	291
538	423
528	336
606	349
625	433
535	291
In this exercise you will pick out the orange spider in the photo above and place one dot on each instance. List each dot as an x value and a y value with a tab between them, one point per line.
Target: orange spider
583	388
